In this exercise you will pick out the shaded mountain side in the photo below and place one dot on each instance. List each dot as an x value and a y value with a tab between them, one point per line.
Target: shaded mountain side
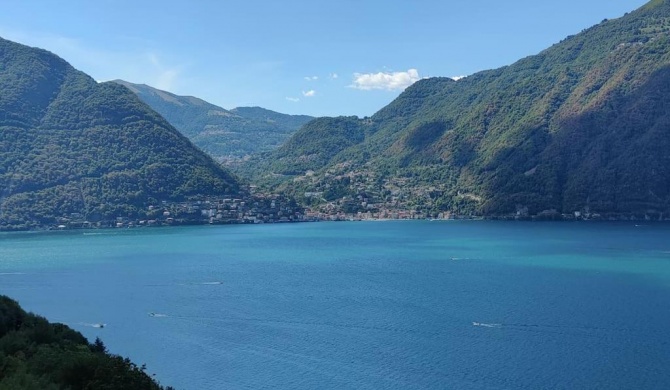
35	354
227	135
580	127
311	148
70	145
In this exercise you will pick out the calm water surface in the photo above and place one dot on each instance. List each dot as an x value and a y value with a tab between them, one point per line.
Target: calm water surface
368	305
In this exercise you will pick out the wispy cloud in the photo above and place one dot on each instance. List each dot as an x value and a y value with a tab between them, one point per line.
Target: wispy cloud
293	99
141	64
334	76
310	93
312	78
456	78
165	75
389	81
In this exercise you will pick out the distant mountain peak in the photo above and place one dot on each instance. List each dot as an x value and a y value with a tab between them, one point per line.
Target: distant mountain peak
227	135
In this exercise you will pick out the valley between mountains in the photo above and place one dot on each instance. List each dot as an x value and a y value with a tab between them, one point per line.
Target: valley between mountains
580	130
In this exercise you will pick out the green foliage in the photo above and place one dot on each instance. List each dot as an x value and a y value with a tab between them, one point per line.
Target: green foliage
71	145
227	135
424	135
311	148
35	354
580	126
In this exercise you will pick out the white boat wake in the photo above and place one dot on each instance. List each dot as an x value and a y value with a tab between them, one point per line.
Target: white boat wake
94	325
486	325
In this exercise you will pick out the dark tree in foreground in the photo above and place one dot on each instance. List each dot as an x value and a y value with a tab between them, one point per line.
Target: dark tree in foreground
35	354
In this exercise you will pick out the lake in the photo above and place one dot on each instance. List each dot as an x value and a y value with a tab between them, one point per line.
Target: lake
363	305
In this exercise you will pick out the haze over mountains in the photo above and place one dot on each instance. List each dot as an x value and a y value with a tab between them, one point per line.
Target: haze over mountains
69	145
227	135
583	126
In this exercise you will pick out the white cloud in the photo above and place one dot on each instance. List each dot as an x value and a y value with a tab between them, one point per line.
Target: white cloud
310	93
334	75
292	99
389	81
456	78
312	78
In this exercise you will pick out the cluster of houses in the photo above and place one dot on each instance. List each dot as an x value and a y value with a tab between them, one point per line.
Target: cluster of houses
206	210
369	215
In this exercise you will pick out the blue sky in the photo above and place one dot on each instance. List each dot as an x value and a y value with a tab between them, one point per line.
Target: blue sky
296	56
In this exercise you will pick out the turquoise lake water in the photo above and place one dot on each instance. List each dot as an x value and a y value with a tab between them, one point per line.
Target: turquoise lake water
363	305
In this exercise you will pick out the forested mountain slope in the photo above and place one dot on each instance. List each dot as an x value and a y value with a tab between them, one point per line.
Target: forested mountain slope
227	135
583	126
69	145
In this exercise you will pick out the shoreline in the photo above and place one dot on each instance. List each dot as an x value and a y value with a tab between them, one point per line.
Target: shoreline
176	223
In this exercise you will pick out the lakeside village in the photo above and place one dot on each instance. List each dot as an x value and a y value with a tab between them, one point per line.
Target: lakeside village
221	210
360	202
263	208
246	209
224	210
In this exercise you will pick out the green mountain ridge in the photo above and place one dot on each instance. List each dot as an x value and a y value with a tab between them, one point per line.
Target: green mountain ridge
582	127
69	145
227	135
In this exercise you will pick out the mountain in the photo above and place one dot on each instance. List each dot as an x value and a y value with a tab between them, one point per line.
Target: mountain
71	146
35	354
227	135
581	128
